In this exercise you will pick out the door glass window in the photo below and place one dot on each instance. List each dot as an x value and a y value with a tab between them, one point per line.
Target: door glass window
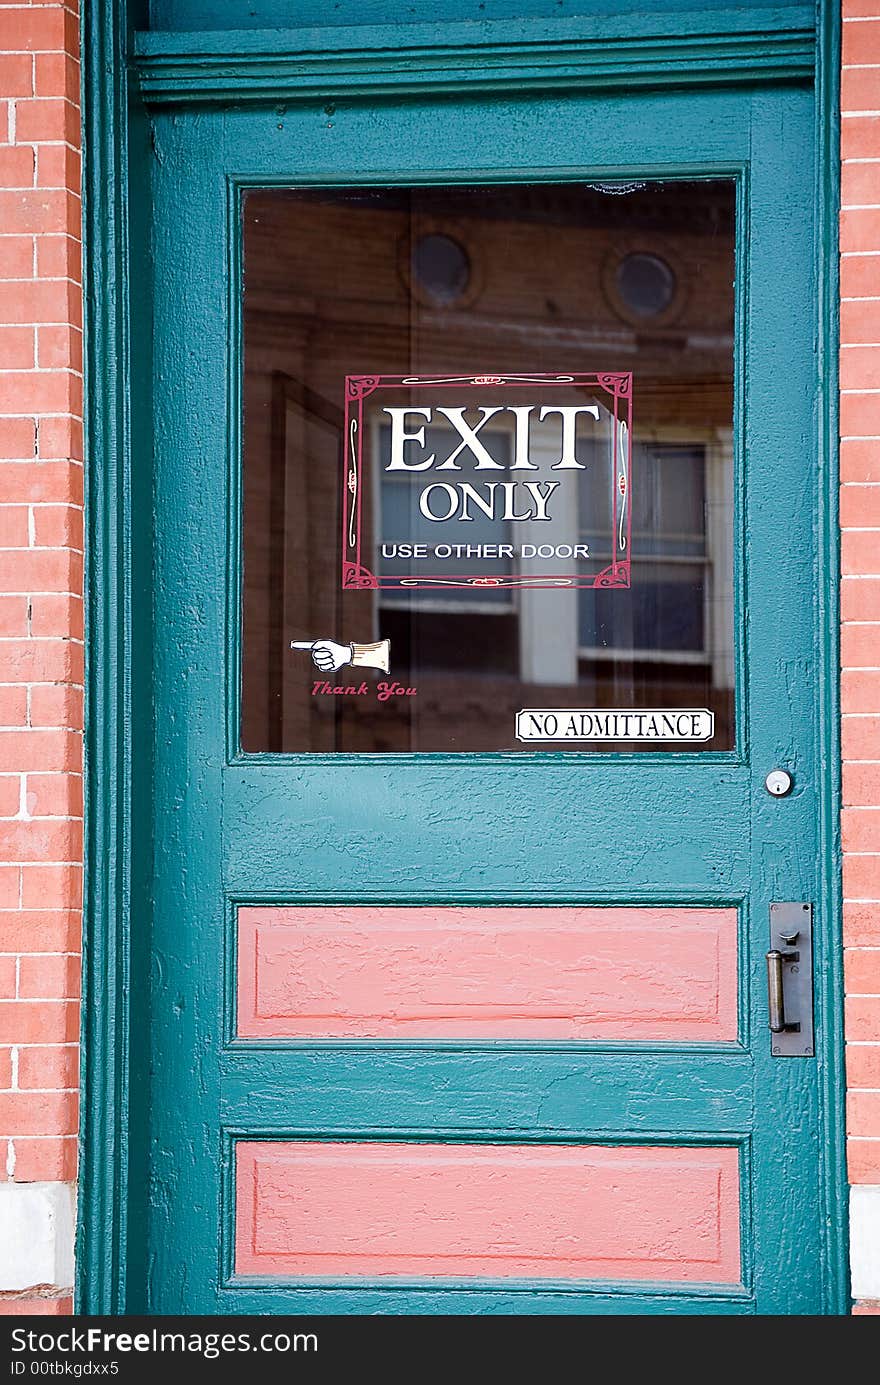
488	468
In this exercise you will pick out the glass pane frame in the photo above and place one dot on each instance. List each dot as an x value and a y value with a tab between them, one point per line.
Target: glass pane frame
238	187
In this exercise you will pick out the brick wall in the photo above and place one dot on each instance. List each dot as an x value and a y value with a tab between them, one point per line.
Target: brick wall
41	650
860	635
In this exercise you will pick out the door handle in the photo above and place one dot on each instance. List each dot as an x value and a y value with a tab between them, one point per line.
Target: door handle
776	992
790	980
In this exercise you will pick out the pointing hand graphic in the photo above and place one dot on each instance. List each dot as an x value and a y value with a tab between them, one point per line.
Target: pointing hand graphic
329	656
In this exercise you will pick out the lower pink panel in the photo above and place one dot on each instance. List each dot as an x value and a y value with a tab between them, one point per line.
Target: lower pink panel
532	973
549	1211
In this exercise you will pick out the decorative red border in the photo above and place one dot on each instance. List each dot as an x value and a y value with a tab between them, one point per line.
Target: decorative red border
616	384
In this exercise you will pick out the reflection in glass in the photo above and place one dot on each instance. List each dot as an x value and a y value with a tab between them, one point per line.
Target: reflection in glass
646	284
441	267
469	282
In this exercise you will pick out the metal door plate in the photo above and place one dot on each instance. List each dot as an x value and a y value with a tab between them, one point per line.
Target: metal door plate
791	931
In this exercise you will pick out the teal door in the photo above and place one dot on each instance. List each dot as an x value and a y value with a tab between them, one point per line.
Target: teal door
458	1000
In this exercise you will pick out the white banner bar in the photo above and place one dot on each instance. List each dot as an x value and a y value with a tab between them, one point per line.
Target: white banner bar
615	724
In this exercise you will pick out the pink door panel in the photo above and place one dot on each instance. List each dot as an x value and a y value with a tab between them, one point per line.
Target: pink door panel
505	973
551	1212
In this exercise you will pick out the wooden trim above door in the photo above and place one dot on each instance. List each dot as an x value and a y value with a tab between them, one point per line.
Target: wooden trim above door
696	48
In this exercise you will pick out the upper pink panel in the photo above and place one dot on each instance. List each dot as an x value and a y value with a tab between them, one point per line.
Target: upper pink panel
493	973
543	1211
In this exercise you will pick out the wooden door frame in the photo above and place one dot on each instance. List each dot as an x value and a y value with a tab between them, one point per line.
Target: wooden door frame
121	74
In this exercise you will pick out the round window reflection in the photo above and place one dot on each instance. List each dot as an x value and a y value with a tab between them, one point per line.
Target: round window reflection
646	284
441	267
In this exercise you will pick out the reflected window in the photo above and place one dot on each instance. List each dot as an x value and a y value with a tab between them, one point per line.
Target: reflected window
440	267
646	284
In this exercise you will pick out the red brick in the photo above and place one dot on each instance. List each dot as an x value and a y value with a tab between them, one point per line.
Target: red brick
862	1160
17	257
60	705
858	88
859	365
17	347
861	784
39	930
61	526
57	74
16	74
860	553
41	570
7	978
862	1019
35	391
859	235
860	736
860	413
860	598
57	705
71	31
861	877
18	438
58	166
860	43
859	459
60	437
49	978
44	29
38	1022
5	1068
863	1066
15	1305
25	751
13	526
44	209
859	322
57	615
17	166
42	661
863	1113
13	618
59	257
10	795
44	839
10	886
45	1161
13	705
49	1068
35	300
58	885
39	481
47	118
54	795
860	646
59	348
859	183
859	830
860	691
862	971
859	278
